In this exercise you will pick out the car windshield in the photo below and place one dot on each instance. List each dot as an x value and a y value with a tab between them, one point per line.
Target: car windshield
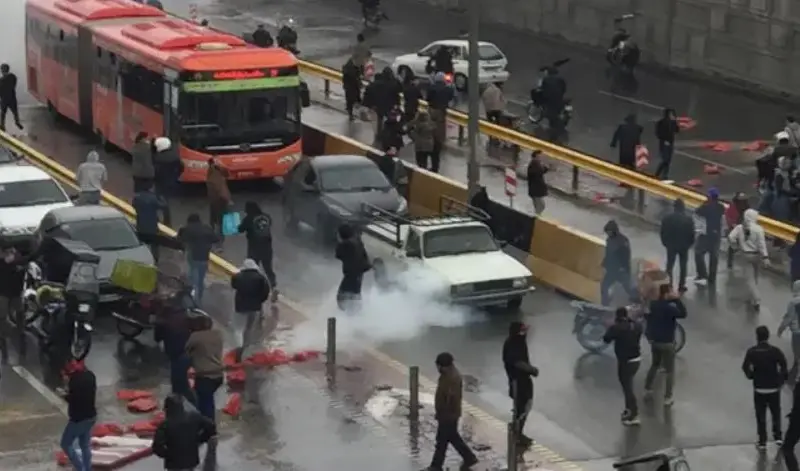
230	121
30	193
103	234
353	178
458	240
488	52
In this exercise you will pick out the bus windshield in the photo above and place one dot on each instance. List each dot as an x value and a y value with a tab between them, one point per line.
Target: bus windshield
226	122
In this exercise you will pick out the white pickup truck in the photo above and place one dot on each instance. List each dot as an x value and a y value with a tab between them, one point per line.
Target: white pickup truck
455	246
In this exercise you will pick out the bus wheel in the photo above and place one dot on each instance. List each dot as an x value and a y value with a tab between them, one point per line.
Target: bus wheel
102	140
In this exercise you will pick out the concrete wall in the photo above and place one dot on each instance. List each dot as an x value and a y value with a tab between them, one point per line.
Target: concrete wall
752	40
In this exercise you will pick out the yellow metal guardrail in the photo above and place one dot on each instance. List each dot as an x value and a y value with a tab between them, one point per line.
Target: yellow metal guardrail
576	159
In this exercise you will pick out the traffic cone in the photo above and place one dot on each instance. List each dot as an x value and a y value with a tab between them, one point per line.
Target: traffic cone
685	123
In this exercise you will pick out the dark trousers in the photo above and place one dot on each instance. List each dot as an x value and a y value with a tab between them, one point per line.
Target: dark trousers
522	407
626	371
665	149
436	156
204	389
708	245
494	117
791	439
264	258
11	307
179	377
423	158
762	402
611	279
5	107
683	259
447	434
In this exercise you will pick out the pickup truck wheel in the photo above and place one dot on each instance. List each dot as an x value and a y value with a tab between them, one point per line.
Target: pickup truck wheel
514	304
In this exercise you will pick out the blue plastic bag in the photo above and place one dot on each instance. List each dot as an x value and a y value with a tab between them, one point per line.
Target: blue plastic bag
230	223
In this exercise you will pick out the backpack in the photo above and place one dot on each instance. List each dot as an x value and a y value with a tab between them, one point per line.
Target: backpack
262	226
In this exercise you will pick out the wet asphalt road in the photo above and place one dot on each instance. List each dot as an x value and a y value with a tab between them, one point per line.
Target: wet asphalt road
577	396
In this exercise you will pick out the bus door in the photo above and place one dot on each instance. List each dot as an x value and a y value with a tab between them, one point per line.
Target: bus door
172	123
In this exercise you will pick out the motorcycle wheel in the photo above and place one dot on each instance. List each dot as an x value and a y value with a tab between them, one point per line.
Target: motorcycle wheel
680	338
31	314
128	330
81	346
535	113
589	333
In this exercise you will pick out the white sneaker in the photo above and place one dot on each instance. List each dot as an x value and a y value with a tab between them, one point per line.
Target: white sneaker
701	282
668	401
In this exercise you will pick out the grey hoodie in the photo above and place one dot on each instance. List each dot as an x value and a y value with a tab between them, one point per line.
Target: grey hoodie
91	175
793	130
791	320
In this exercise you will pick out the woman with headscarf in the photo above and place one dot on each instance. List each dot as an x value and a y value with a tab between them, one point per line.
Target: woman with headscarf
219	196
749	239
251	290
177	440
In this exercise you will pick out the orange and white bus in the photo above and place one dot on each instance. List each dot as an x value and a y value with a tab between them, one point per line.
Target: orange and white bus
118	68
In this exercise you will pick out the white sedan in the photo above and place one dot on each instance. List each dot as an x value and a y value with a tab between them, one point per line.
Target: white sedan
491	66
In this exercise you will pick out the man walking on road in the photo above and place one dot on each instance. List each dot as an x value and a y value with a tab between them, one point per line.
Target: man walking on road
520	374
791	321
627	137
8	97
447	406
91	176
198	240
626	335
537	187
677	236
765	366
616	263
661	325
666	129
82	411
708	226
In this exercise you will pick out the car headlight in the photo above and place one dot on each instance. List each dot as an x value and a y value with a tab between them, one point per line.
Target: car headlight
290	159
462	290
403	206
195	164
338	210
520	282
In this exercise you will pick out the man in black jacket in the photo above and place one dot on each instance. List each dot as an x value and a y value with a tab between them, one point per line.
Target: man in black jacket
12	276
257	225
355	262
520	373
616	263
666	129
765	366
792	434
177	440
82	411
662	321
708	225
627	137
537	187
198	239
251	289
626	334
677	236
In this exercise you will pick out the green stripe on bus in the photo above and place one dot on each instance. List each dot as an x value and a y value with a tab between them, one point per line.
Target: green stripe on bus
239	85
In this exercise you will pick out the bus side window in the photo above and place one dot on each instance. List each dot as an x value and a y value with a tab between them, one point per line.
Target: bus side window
142	85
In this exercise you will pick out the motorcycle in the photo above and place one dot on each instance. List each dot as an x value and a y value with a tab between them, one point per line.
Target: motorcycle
668	459
592	320
31	282
147	311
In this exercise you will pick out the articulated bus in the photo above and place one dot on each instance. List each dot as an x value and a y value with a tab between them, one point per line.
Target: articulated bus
118	68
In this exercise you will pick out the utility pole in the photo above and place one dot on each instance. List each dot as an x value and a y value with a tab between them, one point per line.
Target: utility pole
473	88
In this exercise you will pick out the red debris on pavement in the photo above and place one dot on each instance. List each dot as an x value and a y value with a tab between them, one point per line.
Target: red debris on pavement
158	417
229	359
110	453
601	198
756	146
711	169
695	182
235	378
146	404
686	123
306	355
269	358
107	429
234	405
133	394
143	428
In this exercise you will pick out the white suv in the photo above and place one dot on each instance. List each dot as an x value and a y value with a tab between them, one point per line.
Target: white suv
27	193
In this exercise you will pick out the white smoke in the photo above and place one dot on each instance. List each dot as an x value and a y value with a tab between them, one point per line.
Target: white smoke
414	303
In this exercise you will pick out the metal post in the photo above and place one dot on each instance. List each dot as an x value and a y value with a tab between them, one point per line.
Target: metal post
473	170
330	354
413	394
640	201
511	437
327	88
575	173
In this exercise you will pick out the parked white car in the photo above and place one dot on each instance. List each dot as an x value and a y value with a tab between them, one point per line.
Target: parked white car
27	193
491	67
458	250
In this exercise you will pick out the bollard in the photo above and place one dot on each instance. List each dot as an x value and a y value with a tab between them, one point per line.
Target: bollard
327	88
413	395
461	136
575	172
511	437
330	352
640	201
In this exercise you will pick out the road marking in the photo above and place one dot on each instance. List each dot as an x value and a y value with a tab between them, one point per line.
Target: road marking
634	101
425	383
9	417
710	162
46	393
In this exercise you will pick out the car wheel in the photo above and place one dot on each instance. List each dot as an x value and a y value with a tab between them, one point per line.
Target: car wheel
404	71
460	82
514	304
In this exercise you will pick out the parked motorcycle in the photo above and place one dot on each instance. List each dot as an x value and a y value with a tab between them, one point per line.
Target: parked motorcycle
592	320
31	282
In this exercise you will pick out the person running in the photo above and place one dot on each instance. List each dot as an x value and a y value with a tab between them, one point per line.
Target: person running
520	374
749	239
662	321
